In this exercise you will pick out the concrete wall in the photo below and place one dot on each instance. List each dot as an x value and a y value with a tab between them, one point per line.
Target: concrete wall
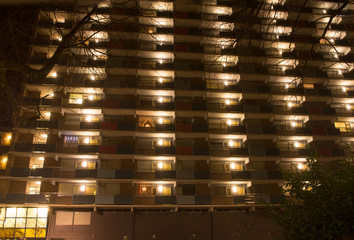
170	226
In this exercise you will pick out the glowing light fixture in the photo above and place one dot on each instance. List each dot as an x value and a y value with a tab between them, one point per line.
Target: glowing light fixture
160	165
160	188
226	83
82	188
160	120
227	102
233	166
90	97
160	99
87	140
229	122
231	143
54	74
348	107
92	77
234	189
344	89
160	142
293	124
300	166
296	144
290	104
89	118
84	164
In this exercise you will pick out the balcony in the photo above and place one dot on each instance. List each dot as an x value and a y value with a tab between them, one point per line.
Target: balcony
29	147
116	149
192	150
113	200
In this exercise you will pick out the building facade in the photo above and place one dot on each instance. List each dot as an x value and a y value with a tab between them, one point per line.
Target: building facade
168	113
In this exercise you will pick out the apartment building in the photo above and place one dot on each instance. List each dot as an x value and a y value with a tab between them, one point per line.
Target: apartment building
181	115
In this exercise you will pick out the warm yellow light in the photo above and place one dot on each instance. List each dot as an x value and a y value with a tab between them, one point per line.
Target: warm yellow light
280	52
233	166
143	188
44	135
227	102
335	55
293	124
60	38
54	74
344	89
340	72
160	165
8	138
90	97
296	144
51	94
48	114
160	142
300	166
290	104
82	188
41	158
160	80
86	140
348	107
160	188
4	159
283	68
38	182
226	83
89	118
224	64
84	164
231	143
79	100
160	61
42	212
160	99
331	40
92	77
229	122
234	189
286	86
324	11
160	120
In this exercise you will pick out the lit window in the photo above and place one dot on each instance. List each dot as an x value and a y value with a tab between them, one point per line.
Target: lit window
3	162
33	187
6	139
23	222
76	98
342	126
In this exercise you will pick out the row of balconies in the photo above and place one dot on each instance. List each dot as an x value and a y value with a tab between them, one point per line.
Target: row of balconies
52	198
134	174
189	65
196	84
172	150
185	106
184	127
